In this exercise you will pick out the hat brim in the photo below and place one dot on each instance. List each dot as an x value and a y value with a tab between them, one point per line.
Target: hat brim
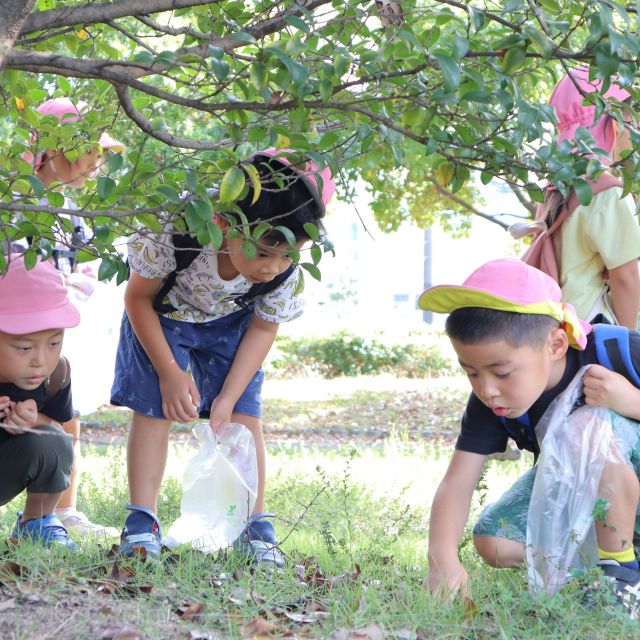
64	317
448	298
107	142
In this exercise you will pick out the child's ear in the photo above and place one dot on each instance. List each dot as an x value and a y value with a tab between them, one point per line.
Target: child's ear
558	343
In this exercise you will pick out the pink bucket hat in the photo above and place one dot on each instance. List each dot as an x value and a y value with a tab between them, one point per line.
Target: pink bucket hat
567	101
321	184
34	300
509	285
66	111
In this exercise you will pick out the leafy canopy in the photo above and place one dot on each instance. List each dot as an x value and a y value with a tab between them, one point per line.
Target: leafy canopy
413	97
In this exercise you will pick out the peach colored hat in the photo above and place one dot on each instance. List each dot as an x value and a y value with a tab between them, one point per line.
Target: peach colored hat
66	111
572	113
509	285
320	183
34	300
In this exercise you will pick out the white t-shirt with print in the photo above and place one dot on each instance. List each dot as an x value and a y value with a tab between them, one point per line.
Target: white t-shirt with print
199	293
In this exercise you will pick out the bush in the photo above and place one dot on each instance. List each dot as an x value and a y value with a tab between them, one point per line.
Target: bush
345	354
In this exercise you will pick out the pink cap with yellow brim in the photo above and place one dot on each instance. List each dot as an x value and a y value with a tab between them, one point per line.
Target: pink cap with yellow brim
509	285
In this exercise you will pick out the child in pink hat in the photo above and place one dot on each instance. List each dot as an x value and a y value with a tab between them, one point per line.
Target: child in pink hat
520	346
35	453
195	335
52	166
598	245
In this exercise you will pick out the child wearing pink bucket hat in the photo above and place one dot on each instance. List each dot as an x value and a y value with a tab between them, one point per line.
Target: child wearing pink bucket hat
52	166
598	245
199	323
35	397
520	346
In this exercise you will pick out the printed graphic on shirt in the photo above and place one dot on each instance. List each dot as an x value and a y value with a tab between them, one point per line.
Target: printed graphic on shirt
200	294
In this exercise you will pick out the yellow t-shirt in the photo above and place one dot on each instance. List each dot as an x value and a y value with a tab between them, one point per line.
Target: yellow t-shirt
604	233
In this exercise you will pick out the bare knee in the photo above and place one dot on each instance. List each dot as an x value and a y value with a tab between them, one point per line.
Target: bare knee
500	553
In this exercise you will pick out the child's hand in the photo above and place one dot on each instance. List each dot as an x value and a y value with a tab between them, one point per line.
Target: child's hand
221	410
446	581
6	405
22	417
180	397
608	389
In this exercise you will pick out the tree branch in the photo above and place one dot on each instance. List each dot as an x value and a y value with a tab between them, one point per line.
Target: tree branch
13	15
93	13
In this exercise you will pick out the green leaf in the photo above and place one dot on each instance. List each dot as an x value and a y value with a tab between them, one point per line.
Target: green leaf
249	249
203	208
312	231
107	269
583	191
243	36
169	193
450	71
316	253
255	182
115	161
30	257
259	75
298	23
260	229
313	270
300	283
105	187
232	185
513	59
36	185
287	233
55	199
220	68
63	85
150	222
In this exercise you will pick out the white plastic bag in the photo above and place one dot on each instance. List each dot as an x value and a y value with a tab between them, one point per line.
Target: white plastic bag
575	447
219	489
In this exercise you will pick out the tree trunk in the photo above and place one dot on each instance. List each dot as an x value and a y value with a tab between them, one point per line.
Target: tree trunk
12	14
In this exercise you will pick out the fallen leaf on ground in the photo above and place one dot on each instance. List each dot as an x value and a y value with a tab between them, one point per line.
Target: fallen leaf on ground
190	612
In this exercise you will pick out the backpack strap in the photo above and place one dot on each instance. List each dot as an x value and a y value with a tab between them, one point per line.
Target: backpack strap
187	250
58	379
613	351
526	436
244	300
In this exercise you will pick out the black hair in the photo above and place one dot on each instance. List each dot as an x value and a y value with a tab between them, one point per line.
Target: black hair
285	200
477	325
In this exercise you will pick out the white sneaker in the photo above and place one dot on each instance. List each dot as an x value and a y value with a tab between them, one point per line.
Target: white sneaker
77	523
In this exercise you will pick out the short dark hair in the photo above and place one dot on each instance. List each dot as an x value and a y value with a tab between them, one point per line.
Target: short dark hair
476	325
285	200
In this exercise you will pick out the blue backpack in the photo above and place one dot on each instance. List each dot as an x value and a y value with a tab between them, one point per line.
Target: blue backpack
612	351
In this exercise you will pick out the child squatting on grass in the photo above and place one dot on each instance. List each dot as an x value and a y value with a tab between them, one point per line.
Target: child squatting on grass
203	326
35	453
520	347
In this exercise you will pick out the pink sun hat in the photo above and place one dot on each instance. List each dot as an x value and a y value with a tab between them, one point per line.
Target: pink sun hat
572	113
320	183
509	285
34	300
66	111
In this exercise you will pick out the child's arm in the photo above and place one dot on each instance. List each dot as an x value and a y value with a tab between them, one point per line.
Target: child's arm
625	293
449	515
252	351
608	389
178	390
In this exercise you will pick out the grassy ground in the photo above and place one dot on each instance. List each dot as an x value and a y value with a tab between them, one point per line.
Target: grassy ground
352	517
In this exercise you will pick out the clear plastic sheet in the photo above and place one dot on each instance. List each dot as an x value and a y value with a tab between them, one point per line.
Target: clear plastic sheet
219	489
577	443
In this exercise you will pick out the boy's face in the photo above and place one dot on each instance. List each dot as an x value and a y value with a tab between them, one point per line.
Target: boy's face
28	360
510	379
269	261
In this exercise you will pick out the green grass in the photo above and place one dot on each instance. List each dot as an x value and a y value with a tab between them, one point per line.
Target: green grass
353	522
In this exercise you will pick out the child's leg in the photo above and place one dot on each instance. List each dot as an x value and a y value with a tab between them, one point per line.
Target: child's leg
500	533
69	498
255	426
146	459
620	488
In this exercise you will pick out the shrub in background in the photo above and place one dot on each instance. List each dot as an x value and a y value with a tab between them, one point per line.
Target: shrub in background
346	354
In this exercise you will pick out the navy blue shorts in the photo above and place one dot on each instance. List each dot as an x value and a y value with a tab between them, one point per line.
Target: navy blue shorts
207	348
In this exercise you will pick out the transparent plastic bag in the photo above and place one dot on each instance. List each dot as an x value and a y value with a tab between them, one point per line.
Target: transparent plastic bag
219	489
576	446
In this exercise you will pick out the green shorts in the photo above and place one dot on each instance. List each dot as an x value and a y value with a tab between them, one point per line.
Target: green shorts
507	517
